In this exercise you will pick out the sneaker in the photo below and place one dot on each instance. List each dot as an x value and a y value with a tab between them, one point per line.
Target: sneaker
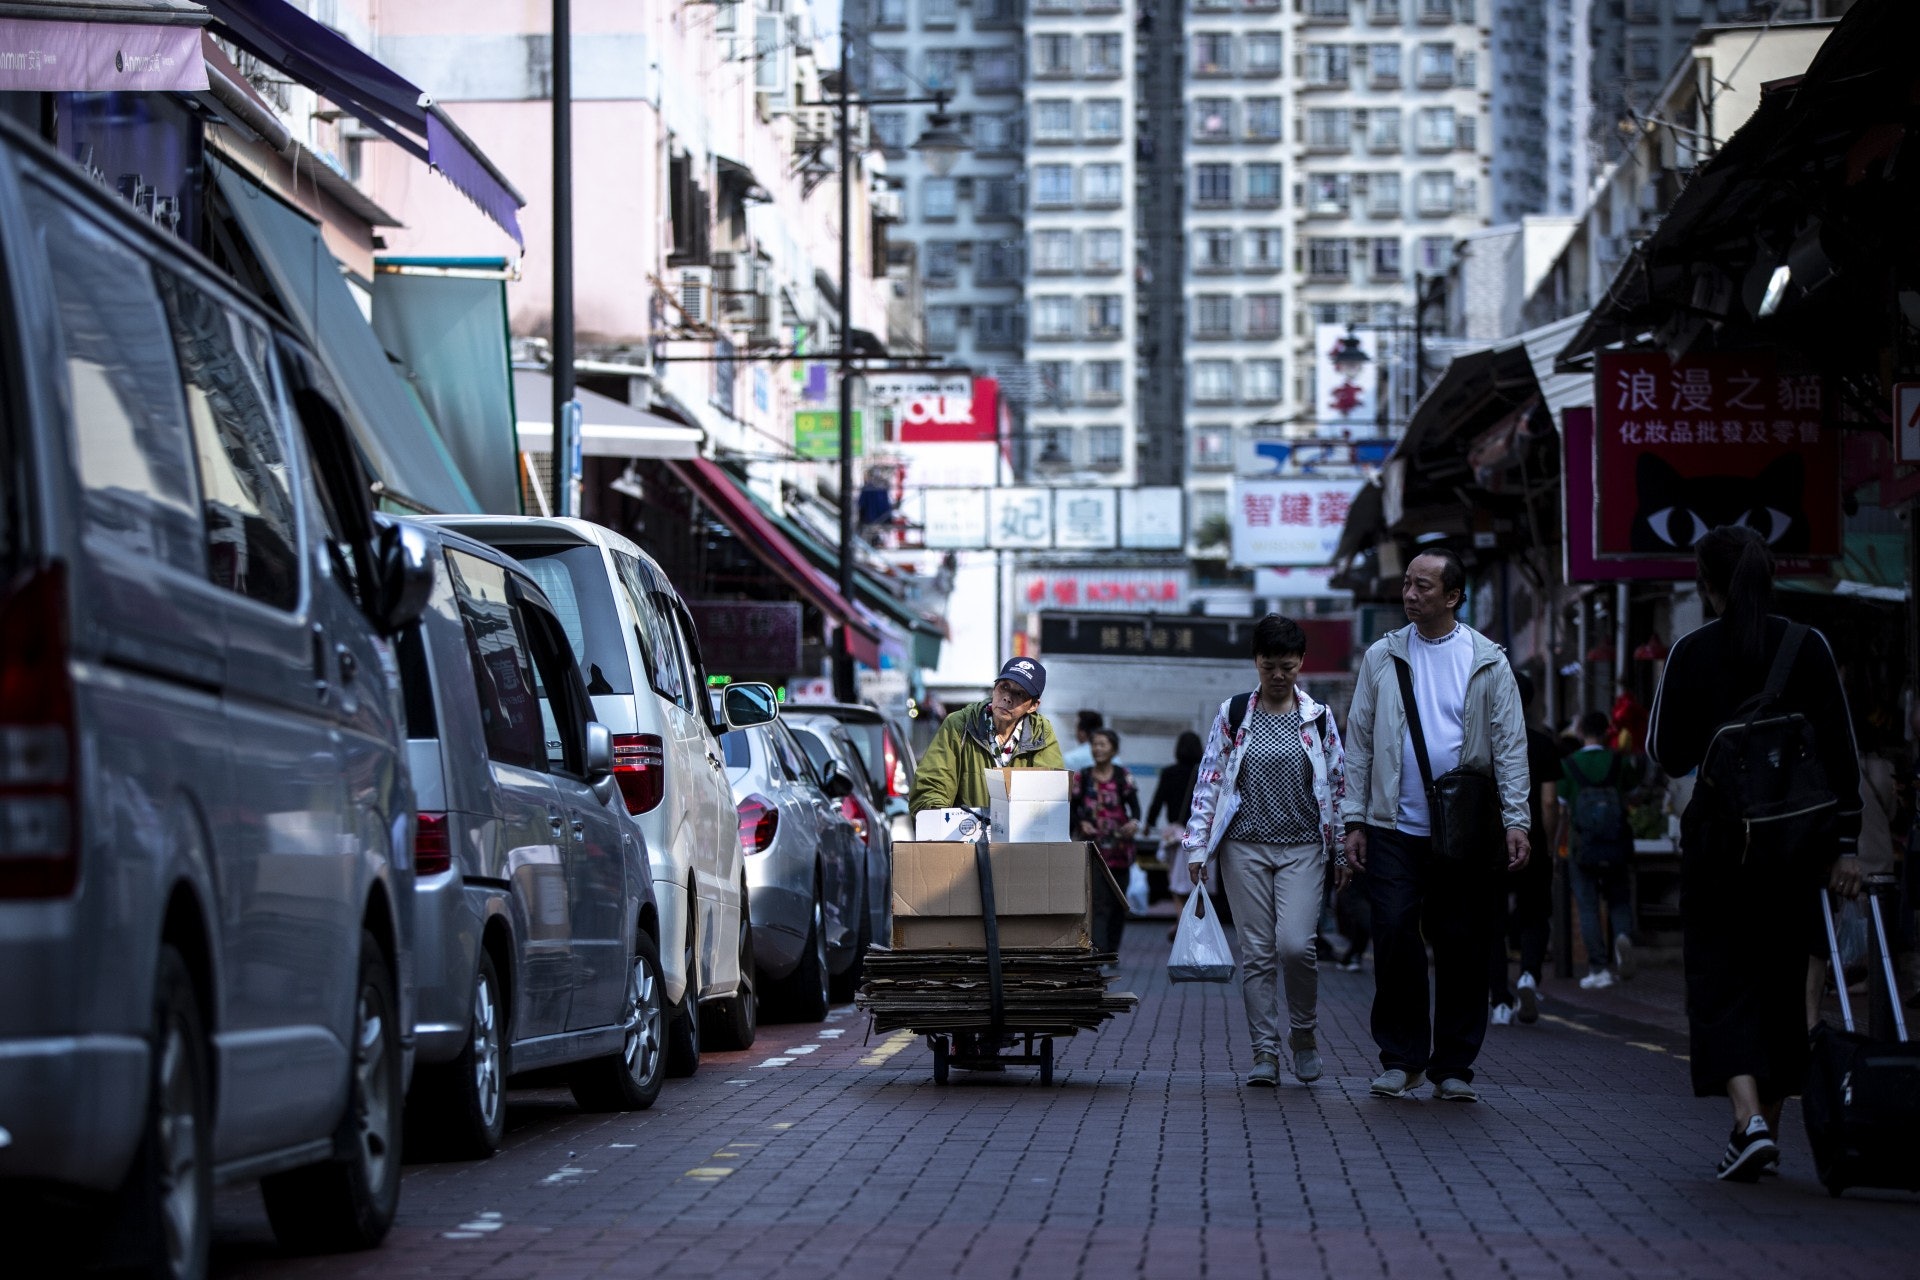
1396	1083
1598	980
1529	992
1306	1056
1503	1015
1451	1090
1266	1070
1750	1152
1351	964
1623	956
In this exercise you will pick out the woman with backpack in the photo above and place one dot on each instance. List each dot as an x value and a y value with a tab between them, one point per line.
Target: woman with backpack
1593	784
1755	703
1106	810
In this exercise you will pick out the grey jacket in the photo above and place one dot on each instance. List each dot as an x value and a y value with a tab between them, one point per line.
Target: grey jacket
1493	727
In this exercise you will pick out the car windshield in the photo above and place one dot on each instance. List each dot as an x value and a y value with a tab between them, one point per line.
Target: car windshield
867	740
575	579
816	750
735	749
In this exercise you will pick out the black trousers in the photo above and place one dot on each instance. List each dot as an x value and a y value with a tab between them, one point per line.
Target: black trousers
1526	923
1411	895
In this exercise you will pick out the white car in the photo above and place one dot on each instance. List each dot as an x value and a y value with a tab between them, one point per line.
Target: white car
640	654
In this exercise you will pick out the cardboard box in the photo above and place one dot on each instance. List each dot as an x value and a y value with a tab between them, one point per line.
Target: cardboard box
947	824
1030	806
1044	894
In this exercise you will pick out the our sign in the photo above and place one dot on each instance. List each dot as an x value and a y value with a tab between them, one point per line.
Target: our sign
1683	446
1105	590
1019	519
1086	519
942	408
816	433
1151	519
1289	522
1346	377
954	519
1329	640
759	638
1906	422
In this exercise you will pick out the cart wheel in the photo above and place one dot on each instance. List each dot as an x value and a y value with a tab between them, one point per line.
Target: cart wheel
1046	1061
939	1059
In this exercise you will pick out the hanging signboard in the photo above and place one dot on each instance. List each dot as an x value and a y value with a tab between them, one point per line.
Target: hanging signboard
1019	519
1906	422
816	433
1346	377
954	519
1150	519
1330	647
748	637
1682	446
1104	590
939	408
1086	519
1289	522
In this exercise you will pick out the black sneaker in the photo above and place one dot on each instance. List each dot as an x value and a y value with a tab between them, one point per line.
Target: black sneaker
1751	1151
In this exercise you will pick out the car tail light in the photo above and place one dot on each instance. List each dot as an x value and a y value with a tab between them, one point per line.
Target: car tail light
856	815
640	767
432	846
39	827
759	819
890	757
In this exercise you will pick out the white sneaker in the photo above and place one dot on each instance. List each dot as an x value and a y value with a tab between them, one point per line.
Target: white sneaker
1529	992
1503	1015
1599	980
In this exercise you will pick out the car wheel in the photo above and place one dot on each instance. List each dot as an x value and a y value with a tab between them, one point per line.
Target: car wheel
348	1202
461	1108
807	997
846	985
166	1213
734	1022
683	1024
630	1080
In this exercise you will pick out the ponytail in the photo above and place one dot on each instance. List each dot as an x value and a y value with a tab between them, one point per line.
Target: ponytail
1735	565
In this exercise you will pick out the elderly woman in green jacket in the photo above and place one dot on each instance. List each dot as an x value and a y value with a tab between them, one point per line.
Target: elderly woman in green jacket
1005	731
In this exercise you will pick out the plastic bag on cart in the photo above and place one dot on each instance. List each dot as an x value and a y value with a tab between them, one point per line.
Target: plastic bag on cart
1200	952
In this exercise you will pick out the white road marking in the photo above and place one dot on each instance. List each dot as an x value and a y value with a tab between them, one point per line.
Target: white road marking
804	1048
776	1062
564	1173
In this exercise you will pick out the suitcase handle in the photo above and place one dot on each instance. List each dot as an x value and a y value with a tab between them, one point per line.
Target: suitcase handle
1886	961
1833	958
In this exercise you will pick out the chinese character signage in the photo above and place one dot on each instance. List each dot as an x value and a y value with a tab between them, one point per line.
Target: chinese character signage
1682	446
1289	522
816	433
1346	377
1020	519
1330	643
1086	519
1150	519
748	638
954	519
1104	591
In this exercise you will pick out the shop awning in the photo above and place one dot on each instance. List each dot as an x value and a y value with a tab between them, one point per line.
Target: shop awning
378	97
102	46
736	509
609	429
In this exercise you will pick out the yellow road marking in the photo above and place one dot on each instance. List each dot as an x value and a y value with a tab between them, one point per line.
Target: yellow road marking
784	1124
709	1171
887	1048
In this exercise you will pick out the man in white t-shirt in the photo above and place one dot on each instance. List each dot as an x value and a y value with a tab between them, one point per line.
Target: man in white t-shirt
1469	713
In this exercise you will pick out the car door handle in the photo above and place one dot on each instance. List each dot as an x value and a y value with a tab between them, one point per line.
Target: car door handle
715	761
555	823
348	665
319	637
579	831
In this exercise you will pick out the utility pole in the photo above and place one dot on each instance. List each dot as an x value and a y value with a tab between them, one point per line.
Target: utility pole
562	469
843	688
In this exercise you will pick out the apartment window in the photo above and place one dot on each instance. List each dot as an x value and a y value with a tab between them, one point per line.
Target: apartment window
940	68
1260	381
1329	195
890	13
1263	55
1104	381
994	133
1327	66
1436	254
1212	184
997	262
1206	511
943	328
995	13
1212	119
1383	195
1213	54
1265	250
1466	69
1056	382
1052	317
1327	10
1263	185
996	70
1052	120
1263	119
1212	447
1264	318
1329	128
1103	55
1105	448
1103	120
1053	55
1433	193
938	199
1212	315
1434	131
1052	252
1383	10
996	198
1383	129
1386	259
942	262
1436	10
1643	10
1101	183
890	129
1212	381
1053	442
1329	259
1643	59
1052	186
1434	66
1212	249
939	13
1383	66
996	326
1103	315
1103	249
888	75
1053	6
1466	133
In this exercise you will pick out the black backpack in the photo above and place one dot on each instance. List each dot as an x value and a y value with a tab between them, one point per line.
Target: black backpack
1602	836
1764	781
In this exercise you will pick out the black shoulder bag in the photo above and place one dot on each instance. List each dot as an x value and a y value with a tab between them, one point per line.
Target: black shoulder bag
1463	804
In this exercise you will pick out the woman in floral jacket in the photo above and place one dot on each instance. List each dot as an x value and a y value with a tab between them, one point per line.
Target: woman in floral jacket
1265	807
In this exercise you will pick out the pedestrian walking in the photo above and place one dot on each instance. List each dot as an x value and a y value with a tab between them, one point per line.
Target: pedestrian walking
1441	883
1005	730
1080	754
1593	784
1265	804
1530	889
1173	798
1106	811
1746	912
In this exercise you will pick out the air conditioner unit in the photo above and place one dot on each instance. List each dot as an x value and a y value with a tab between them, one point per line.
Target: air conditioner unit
696	294
813	125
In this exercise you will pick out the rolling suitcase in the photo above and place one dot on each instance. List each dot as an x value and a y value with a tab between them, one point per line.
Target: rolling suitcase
1862	1103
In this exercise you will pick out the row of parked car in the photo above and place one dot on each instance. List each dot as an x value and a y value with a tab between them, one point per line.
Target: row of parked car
318	826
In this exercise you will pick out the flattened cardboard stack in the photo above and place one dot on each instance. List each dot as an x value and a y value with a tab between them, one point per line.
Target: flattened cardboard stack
936	977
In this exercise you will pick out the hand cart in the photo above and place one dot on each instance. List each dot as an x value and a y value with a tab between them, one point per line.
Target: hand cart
1029	1049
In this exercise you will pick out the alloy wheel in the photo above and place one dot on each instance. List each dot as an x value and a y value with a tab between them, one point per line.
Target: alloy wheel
644	1022
179	1150
486	1051
374	1101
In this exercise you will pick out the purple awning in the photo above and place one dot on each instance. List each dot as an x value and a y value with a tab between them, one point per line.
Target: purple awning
378	97
52	56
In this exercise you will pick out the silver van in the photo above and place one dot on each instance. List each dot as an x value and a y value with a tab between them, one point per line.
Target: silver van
205	822
536	937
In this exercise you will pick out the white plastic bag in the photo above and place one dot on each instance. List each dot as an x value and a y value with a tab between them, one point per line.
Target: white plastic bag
1200	952
1137	889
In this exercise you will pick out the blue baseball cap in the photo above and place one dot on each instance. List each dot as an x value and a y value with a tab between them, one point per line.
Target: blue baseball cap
1026	673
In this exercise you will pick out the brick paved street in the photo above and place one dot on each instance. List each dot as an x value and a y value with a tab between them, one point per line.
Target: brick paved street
820	1154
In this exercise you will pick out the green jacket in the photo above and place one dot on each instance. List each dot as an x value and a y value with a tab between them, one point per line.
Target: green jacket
954	769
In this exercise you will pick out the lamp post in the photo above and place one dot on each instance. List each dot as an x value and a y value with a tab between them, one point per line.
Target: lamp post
940	146
562	469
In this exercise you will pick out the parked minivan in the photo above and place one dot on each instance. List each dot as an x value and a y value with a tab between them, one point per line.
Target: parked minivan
536	935
638	649
206	867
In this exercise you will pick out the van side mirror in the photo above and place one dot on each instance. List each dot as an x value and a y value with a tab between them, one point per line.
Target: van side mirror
747	705
837	784
600	760
402	577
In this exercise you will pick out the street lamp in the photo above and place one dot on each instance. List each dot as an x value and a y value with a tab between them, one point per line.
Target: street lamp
940	146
